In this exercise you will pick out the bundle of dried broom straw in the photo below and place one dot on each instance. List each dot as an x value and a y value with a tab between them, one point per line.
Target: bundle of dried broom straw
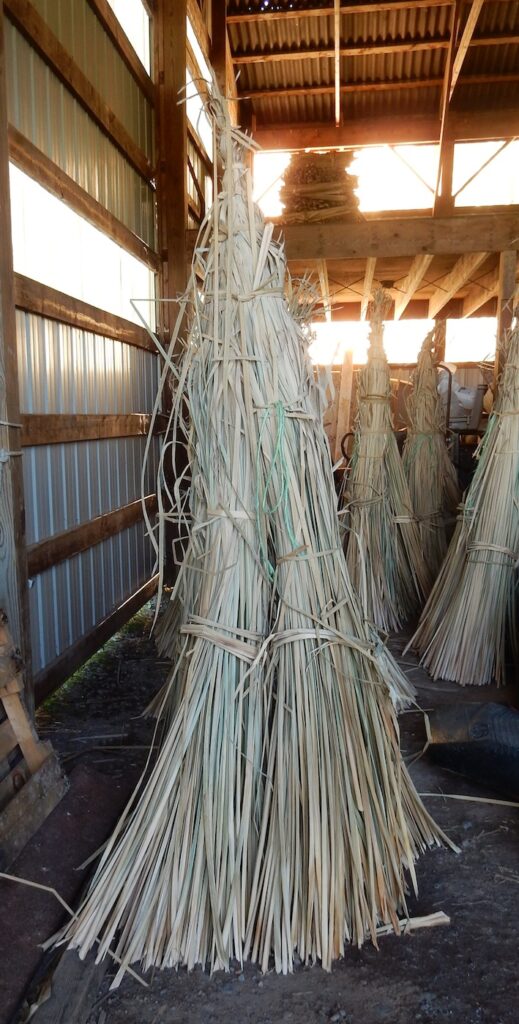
430	474
470	619
383	547
279	815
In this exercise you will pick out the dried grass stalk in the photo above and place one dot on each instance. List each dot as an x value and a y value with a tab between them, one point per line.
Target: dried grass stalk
471	615
383	545
279	815
430	474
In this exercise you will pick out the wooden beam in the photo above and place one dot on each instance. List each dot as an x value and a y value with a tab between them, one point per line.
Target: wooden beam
61	546
321	12
402	237
464	126
456	279
120	41
464	43
418	309
66	663
505	304
13	562
480	292
30	23
37	165
337	60
412	282
62	428
327	52
381	85
219	43
371	263
54	305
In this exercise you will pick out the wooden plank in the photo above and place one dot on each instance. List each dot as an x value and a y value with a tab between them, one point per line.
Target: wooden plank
30	23
327	52
480	292
464	43
36	164
327	11
55	305
412	282
66	663
75	988
505	305
65	545
367	286
8	740
62	428
405	236
464	126
29	808
34	752
458	276
337	60
13	563
119	39
344	403
219	43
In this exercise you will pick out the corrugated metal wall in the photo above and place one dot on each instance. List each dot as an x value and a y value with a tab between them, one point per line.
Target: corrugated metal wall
67	370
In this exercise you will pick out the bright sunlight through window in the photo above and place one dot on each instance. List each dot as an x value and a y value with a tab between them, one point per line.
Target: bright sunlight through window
467	341
134	19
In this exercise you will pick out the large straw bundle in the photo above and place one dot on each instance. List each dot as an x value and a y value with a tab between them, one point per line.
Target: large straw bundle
471	614
383	548
279	815
316	187
430	474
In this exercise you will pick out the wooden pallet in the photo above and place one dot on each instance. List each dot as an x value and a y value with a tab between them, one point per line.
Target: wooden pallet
31	781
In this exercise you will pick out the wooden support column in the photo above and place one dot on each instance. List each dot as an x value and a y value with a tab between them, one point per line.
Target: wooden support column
13	564
219	43
505	303
344	406
172	129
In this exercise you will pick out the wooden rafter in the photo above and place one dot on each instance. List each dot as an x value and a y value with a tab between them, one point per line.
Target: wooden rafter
337	60
412	282
464	43
481	291
458	276
367	286
270	92
284	54
259	17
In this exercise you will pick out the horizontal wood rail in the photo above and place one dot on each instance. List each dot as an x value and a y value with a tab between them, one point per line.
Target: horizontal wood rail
364	49
37	165
61	546
54	674
30	23
383	85
119	39
322	12
55	305
63	428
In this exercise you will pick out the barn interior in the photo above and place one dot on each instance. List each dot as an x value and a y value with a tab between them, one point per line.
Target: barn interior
385	155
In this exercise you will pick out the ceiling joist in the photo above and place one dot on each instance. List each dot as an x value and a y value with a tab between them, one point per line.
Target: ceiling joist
410	285
465	41
364	49
480	292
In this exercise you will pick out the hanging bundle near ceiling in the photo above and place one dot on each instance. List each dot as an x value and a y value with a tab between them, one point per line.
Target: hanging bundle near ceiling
430	474
278	815
383	546
470	623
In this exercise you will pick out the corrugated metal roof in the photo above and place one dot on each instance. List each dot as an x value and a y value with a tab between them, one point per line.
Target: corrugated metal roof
394	27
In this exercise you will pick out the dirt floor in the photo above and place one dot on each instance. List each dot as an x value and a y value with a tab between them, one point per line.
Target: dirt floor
465	972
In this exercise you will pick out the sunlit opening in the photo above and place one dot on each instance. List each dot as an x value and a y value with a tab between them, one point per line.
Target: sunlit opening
135	21
471	340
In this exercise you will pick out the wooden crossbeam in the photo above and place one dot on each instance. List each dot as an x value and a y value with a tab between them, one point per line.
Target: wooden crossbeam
382	85
480	292
322	12
367	286
284	54
337	60
62	428
465	41
458	276
412	282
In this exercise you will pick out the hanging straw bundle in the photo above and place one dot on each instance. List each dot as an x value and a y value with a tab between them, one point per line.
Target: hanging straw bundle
430	474
471	614
383	548
279	815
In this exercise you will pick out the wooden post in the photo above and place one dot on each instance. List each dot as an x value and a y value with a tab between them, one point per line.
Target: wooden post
439	338
219	43
505	302
13	561
344	404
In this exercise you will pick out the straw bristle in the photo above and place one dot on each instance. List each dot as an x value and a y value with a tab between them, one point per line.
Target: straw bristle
471	616
279	815
430	474
383	547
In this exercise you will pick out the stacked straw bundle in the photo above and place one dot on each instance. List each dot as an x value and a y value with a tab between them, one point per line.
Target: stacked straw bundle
470	619
430	474
316	187
279	815
383	547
